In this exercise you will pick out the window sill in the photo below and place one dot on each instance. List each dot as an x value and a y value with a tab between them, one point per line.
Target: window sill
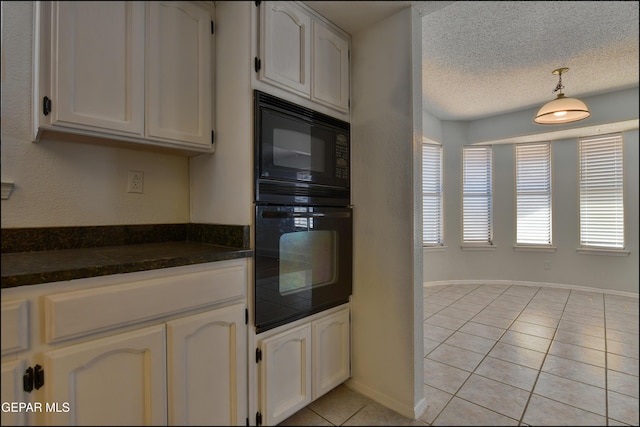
434	248
605	252
477	247
531	248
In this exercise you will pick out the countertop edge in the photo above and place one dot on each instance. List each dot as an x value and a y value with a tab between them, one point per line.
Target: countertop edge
204	254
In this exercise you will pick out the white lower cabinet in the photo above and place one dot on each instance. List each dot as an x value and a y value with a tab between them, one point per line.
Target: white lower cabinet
13	393
299	364
196	377
331	343
207	368
185	364
285	374
118	380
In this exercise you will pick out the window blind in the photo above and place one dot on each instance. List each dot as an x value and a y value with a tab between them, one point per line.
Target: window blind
477	209
431	194
601	192
533	194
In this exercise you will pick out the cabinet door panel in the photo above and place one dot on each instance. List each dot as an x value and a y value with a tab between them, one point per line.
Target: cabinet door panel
118	380
97	65
286	46
285	374
330	67
331	352
12	391
179	72
206	366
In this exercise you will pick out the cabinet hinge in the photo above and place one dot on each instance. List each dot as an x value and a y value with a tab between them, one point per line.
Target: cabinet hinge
212	27
257	64
213	136
258	355
46	105
33	378
258	419
246	316
247	421
257	3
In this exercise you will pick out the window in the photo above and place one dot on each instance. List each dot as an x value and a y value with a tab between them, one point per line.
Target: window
431	194
477	209
533	194
601	192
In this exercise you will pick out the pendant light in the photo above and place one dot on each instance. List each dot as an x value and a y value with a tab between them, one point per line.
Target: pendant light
562	109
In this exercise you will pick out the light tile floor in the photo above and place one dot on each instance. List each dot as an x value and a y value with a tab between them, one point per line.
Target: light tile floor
512	355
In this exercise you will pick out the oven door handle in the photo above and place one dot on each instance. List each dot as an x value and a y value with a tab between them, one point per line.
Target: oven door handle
306	214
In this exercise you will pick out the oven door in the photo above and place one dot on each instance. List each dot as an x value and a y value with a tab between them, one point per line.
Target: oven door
303	262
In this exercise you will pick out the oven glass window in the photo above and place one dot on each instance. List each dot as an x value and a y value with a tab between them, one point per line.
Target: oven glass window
307	259
298	150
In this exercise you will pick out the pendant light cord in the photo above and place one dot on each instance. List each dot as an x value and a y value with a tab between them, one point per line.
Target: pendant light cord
559	86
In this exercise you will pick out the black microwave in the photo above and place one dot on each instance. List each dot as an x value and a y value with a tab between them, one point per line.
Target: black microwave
302	156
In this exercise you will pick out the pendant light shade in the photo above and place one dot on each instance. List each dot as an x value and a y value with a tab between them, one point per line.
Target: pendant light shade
562	109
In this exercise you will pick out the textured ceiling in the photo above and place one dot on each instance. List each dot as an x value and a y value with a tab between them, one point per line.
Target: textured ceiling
482	58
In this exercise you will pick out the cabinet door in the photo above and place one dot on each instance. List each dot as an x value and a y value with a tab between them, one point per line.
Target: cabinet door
118	380
207	368
285	374
179	72
331	352
97	66
12	391
330	68
286	46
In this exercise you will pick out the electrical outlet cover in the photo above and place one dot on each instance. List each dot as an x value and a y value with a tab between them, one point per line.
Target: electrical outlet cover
135	182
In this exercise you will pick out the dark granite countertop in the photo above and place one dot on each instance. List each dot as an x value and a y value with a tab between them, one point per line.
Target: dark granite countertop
23	264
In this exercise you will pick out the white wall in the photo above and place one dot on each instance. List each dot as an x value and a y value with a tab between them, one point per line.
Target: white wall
222	183
613	273
387	284
71	184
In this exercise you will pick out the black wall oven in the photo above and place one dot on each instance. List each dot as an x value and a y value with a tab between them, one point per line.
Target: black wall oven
303	222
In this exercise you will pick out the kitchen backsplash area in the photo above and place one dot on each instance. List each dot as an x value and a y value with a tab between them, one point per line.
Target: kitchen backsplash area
50	254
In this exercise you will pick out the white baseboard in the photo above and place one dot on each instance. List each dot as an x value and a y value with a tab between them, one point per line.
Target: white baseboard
387	401
533	284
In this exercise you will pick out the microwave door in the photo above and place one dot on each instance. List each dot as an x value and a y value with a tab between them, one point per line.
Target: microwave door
296	150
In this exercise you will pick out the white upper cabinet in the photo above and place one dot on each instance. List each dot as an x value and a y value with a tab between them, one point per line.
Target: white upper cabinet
130	71
97	66
330	67
179	73
303	53
286	43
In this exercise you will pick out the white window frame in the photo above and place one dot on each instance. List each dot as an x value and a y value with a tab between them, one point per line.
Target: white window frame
480	191
432	212
601	195
534	196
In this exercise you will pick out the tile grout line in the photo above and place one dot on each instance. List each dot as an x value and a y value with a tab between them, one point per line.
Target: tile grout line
563	316
455	394
606	360
546	353
544	359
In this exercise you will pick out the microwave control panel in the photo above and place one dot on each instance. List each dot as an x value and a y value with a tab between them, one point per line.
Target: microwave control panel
342	157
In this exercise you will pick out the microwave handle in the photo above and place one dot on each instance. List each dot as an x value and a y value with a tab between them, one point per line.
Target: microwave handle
306	215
